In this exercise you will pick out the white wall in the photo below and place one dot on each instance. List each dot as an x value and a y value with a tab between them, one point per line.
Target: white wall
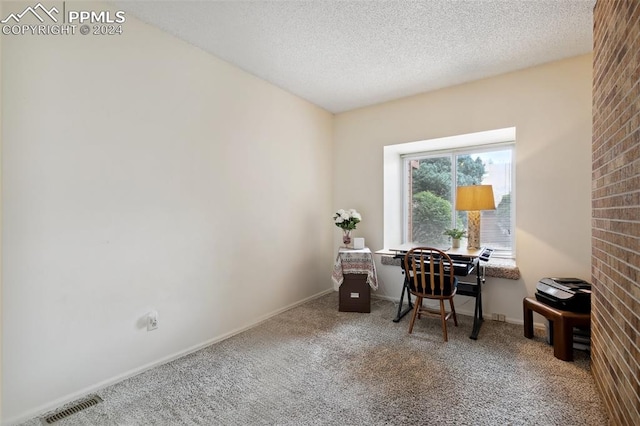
141	173
550	106
1	314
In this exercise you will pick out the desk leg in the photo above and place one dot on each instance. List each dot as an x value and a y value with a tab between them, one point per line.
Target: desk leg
409	308
477	312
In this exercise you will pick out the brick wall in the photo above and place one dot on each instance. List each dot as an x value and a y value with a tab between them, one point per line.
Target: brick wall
616	208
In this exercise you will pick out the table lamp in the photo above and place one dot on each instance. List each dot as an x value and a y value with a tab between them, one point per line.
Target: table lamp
472	199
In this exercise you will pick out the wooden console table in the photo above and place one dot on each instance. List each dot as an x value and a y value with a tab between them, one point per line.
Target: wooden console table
563	323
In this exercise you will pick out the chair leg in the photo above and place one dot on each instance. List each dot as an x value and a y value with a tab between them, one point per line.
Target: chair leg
453	310
416	308
444	321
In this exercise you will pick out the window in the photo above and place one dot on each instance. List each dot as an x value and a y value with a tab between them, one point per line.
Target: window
429	191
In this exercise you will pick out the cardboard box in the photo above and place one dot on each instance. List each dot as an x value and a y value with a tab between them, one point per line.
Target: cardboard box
355	294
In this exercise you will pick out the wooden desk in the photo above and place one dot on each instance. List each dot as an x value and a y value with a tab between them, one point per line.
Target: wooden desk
465	263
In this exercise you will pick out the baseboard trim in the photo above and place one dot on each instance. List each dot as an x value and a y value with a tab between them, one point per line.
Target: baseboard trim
45	408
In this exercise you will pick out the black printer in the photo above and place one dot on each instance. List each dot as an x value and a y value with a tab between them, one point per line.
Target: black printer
567	294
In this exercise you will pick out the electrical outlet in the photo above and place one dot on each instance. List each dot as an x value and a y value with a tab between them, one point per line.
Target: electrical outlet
498	317
152	320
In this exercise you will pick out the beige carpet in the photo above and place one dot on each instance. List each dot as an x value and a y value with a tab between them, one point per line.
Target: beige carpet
314	365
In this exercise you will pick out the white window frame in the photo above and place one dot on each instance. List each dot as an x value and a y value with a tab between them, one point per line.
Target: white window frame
395	176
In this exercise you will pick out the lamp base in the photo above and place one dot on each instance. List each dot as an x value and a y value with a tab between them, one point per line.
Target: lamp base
473	221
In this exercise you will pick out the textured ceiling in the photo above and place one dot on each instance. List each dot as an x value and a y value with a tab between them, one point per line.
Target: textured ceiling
343	55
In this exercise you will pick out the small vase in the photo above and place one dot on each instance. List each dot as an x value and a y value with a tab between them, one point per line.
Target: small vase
455	243
346	237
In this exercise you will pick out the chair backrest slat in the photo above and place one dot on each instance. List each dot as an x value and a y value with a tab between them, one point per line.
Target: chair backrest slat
431	275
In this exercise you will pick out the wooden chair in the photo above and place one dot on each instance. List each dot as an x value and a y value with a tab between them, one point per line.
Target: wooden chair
429	273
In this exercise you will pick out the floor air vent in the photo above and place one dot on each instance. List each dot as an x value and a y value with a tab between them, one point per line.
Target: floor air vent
72	409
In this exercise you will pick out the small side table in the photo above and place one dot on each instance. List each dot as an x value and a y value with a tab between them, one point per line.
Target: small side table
563	323
354	272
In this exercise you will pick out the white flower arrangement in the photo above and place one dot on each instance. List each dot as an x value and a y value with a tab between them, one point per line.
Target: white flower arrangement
347	219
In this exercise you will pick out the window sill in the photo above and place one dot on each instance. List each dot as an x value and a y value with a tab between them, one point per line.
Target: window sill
502	268
497	268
